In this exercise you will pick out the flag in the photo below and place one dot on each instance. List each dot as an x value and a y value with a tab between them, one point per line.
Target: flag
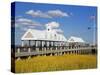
89	28
92	17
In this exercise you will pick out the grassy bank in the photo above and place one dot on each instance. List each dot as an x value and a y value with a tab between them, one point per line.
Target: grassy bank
53	63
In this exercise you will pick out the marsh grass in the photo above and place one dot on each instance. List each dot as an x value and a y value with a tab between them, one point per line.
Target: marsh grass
55	63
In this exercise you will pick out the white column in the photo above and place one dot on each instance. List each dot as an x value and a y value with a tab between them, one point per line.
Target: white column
18	50
29	50
45	45
36	43
22	43
41	45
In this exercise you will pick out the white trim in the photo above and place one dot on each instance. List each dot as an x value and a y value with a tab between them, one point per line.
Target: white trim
23	37
44	35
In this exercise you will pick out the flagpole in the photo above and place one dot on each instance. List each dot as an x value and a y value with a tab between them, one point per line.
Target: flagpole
94	32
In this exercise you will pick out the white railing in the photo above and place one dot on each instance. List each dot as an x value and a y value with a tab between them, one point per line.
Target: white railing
27	51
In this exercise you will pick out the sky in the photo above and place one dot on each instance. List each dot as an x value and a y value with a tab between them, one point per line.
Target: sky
70	20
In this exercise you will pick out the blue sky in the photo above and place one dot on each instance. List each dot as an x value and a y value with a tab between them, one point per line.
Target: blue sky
73	20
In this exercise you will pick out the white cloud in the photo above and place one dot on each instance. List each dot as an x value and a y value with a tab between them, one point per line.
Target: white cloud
25	21
57	13
24	29
48	14
52	25
24	24
38	13
58	30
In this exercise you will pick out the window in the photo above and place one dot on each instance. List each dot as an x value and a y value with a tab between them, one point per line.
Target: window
55	36
48	29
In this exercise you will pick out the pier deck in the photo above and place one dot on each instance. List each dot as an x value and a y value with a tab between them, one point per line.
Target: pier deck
30	51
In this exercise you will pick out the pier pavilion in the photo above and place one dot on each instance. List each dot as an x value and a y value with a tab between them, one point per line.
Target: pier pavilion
43	39
50	42
76	42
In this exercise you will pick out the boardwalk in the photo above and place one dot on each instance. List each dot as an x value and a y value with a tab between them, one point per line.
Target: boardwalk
31	51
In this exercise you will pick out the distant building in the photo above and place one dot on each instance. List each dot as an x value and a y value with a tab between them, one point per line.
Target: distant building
76	42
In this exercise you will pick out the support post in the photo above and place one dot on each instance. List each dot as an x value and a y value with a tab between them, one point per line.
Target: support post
18	58
51	54
22	43
29	57
18	50
35	44
61	53
29	50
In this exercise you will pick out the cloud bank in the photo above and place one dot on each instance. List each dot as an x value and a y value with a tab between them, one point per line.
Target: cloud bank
48	14
57	13
25	21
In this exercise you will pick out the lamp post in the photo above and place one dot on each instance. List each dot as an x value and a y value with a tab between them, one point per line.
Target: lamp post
94	29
